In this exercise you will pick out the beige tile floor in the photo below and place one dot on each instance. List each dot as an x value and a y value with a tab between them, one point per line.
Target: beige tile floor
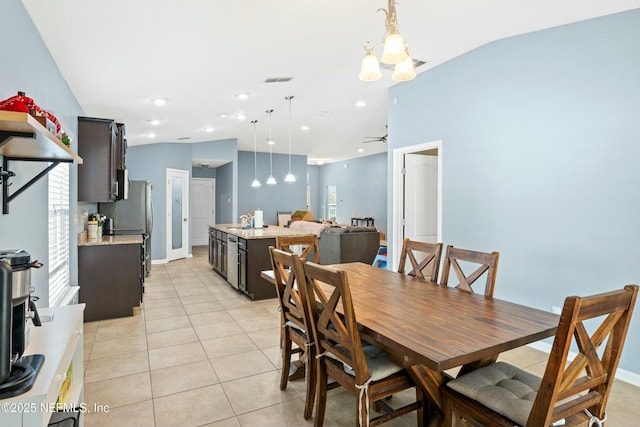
199	354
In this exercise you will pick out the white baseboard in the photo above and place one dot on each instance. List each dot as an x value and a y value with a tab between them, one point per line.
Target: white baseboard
621	374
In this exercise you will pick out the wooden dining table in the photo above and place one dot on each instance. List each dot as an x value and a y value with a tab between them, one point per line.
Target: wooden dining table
431	328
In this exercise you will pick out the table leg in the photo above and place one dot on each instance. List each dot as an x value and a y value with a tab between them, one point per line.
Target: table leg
430	381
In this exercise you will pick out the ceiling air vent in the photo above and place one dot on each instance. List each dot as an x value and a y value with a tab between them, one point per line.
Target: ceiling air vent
416	63
278	79
183	138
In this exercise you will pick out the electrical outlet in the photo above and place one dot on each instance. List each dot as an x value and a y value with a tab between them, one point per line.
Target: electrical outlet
555	309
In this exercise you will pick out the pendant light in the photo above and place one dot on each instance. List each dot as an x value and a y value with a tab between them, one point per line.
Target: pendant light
289	177
255	182
271	180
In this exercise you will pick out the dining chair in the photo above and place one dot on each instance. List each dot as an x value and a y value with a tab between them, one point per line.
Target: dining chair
287	269
572	389
488	266
429	255
363	370
308	243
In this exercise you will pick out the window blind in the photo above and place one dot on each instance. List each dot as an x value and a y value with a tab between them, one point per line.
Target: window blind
58	233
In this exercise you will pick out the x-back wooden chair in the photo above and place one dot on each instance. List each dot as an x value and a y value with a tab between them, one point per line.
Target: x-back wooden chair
488	266
428	253
308	243
342	355
288	272
497	395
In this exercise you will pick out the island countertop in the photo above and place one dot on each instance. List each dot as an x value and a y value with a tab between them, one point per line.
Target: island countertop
269	232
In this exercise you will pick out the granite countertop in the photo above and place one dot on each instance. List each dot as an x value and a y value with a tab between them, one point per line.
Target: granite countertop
135	239
257	233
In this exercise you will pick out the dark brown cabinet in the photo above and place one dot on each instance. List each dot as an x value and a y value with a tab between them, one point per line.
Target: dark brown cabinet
110	278
254	258
218	251
97	178
101	177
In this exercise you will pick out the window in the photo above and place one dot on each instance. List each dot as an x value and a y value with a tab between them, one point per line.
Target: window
58	233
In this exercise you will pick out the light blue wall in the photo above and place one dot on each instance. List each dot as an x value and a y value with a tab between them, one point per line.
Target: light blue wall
283	196
203	173
151	161
360	186
26	65
225	197
540	157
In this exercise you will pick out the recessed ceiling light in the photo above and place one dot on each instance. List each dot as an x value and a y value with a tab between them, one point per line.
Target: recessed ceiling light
242	96
151	135
223	115
304	127
360	103
319	162
159	101
208	129
360	150
154	122
270	141
241	116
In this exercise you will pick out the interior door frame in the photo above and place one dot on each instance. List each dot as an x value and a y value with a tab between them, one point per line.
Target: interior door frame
173	254
398	194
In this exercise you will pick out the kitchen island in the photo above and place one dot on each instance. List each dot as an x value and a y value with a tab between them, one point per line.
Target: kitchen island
240	254
110	275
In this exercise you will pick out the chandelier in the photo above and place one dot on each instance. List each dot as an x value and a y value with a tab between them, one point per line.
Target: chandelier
395	52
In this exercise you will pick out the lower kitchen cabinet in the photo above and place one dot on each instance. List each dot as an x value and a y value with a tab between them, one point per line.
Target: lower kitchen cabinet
254	258
110	279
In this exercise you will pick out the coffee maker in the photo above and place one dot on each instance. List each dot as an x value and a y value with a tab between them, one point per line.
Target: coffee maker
17	372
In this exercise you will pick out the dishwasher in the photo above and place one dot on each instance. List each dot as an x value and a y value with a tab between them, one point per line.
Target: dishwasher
232	261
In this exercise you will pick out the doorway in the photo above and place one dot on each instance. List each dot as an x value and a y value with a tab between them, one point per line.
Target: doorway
417	195
203	210
177	214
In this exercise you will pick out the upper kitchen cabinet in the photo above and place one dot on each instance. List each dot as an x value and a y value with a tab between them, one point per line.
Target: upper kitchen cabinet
100	144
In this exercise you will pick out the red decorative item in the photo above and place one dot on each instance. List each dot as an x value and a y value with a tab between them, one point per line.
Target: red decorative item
24	104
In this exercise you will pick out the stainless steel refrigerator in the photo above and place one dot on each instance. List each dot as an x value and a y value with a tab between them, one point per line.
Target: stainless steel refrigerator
133	215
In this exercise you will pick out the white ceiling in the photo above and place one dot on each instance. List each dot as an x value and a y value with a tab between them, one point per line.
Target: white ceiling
118	55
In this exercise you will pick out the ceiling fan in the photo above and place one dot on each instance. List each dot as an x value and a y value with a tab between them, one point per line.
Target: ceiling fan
377	138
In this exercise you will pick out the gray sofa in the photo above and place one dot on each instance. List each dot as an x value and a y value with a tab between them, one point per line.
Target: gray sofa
348	244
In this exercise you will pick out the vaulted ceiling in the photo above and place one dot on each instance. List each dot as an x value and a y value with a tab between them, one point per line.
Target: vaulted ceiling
119	55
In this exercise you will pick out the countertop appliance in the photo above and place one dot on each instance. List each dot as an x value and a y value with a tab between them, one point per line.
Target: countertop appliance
133	215
17	372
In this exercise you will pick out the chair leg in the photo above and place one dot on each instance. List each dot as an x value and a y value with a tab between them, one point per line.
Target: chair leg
286	358
310	373
421	411
361	411
321	397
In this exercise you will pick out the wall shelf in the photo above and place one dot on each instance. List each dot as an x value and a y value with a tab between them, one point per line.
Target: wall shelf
23	138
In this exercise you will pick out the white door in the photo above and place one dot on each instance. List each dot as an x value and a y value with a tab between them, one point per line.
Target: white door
177	214
421	197
203	210
410	205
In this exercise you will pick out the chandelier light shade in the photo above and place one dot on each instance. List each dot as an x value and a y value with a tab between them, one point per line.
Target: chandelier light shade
404	71
271	180
395	52
370	70
289	177
255	182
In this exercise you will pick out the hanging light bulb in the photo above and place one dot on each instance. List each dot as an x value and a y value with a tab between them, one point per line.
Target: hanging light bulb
271	180
255	182
403	71
289	177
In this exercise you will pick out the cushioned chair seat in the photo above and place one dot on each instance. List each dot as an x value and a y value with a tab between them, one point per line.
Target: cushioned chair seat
378	363
501	387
